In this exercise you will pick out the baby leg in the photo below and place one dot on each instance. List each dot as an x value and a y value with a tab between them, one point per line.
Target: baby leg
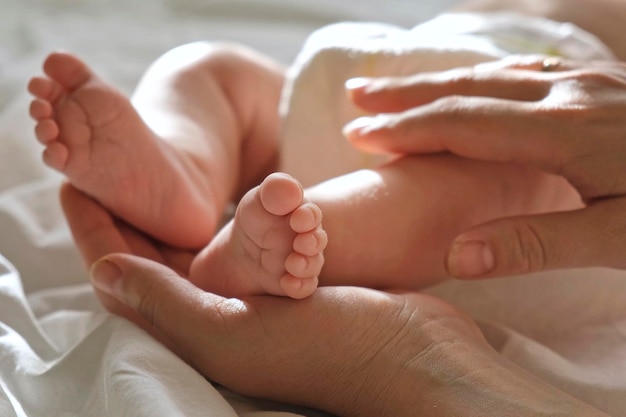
387	228
391	227
200	128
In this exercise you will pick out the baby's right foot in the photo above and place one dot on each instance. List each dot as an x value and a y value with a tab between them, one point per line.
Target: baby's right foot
94	136
273	246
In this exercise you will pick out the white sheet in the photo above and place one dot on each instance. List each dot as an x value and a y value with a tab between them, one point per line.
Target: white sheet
60	354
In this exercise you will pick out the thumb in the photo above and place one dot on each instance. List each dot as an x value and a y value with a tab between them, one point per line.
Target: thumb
158	300
593	236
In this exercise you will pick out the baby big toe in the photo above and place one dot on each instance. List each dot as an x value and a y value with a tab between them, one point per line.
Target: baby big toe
280	194
67	70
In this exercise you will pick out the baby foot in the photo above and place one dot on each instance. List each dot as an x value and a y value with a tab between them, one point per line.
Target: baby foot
273	245
93	135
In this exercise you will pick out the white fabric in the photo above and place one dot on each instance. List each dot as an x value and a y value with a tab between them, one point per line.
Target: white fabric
61	355
315	104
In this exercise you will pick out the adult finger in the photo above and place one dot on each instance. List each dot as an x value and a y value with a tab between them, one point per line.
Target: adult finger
575	132
517	77
169	306
583	238
474	127
97	233
92	227
395	94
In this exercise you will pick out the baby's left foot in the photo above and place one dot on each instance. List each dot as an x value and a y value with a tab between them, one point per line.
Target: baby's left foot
273	245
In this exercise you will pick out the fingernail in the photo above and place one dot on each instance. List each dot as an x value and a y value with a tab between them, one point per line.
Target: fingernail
106	276
357	125
356	83
366	124
470	259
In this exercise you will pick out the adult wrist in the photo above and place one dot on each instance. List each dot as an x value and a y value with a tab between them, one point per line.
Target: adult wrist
417	371
458	375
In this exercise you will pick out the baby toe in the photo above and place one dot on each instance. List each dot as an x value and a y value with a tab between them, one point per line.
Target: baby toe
46	131
45	89
311	243
55	156
40	109
298	288
305	218
302	266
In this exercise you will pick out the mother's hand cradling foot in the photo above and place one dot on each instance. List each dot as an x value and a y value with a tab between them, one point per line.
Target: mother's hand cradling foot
562	117
348	351
341	349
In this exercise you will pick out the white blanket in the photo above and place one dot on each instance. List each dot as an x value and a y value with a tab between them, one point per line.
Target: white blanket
62	355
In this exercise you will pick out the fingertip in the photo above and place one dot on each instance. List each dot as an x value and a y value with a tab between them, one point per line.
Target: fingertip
106	276
357	83
470	259
358	127
372	134
357	89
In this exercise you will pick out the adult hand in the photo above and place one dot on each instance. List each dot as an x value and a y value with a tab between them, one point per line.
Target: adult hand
348	351
342	349
563	117
97	233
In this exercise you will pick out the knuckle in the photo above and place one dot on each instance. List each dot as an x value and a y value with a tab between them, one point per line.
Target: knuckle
462	80
526	61
568	126
147	305
581	138
450	106
527	251
592	77
589	87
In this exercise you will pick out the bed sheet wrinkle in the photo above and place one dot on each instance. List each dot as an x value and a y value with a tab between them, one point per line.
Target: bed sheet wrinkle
35	238
16	316
104	367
